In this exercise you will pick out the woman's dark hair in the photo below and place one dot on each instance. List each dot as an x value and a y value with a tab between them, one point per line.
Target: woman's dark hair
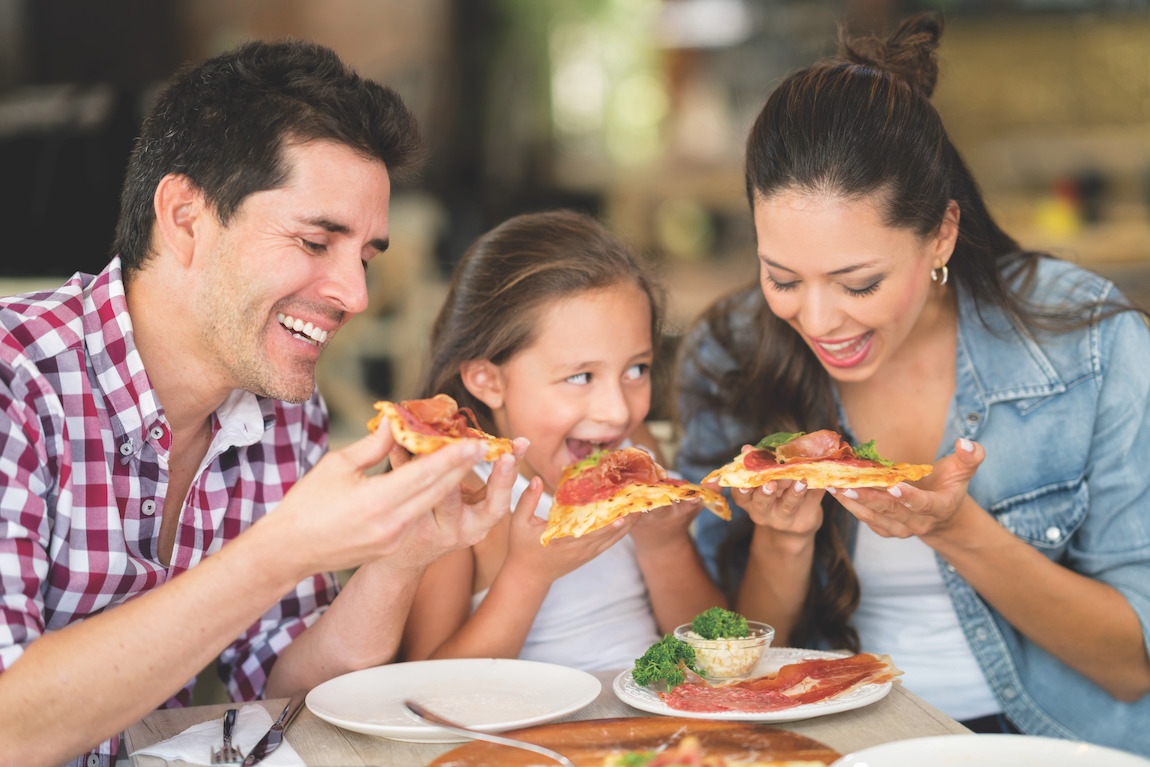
504	281
858	126
225	123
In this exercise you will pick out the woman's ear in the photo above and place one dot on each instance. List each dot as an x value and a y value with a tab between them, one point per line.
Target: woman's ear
484	380
947	236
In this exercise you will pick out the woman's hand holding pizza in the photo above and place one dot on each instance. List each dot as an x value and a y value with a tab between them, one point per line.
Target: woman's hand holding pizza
784	506
936	508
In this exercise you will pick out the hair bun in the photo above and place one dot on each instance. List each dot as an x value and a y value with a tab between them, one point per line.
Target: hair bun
908	53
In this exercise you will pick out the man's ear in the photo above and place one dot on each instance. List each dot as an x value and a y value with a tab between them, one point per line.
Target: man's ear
484	380
178	204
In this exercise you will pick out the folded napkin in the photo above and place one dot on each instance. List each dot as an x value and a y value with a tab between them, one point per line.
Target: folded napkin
194	745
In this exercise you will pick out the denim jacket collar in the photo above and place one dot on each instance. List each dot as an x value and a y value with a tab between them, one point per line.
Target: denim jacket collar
996	361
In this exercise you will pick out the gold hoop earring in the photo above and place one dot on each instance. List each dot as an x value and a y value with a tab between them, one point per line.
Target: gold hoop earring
941	279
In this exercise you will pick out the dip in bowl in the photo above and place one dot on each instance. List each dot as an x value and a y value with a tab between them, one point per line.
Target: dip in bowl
728	659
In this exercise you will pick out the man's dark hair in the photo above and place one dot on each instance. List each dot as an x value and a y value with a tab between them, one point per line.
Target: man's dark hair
225	124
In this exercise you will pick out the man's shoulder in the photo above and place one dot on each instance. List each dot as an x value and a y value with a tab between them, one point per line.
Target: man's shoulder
45	323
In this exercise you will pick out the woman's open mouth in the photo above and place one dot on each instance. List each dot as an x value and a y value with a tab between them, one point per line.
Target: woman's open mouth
845	353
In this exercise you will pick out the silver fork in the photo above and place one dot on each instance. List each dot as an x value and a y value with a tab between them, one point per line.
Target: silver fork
227	753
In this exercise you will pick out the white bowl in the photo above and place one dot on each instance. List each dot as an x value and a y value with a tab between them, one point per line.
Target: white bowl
725	660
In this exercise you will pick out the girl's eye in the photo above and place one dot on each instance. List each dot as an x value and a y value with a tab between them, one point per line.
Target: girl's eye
860	292
579	378
781	286
636	372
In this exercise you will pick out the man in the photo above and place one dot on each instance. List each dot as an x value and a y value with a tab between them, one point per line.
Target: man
153	416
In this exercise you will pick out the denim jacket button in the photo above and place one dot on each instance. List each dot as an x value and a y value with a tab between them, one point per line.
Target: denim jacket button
1053	534
1009	692
980	634
973	417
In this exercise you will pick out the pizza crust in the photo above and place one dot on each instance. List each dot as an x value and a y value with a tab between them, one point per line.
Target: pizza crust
818	474
579	520
418	443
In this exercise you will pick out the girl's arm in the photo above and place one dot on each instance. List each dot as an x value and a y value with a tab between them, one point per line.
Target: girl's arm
677	581
500	624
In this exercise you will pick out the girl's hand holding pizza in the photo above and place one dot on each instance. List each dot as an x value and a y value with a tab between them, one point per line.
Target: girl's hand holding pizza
527	554
668	524
459	521
936	508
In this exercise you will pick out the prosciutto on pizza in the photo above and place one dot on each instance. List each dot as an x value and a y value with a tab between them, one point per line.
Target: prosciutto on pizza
820	459
426	425
611	484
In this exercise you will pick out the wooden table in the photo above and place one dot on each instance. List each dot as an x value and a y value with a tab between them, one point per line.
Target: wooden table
898	716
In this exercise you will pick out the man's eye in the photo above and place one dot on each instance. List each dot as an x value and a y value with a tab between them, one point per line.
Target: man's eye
579	378
314	247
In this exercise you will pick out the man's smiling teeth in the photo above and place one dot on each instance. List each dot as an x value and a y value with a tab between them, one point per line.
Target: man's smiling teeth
303	329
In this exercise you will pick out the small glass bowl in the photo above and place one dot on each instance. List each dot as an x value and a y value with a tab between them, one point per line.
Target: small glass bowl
727	660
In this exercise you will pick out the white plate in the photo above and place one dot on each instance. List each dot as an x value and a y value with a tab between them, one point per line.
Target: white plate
989	751
488	694
774	658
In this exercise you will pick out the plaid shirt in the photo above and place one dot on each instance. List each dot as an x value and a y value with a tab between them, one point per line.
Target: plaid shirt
84	448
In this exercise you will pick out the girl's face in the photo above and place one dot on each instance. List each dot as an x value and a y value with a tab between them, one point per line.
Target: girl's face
854	288
584	383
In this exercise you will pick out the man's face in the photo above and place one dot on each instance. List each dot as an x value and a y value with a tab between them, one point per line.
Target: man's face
289	270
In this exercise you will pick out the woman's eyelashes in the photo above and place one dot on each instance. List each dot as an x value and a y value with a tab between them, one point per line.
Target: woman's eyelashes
783	287
581	379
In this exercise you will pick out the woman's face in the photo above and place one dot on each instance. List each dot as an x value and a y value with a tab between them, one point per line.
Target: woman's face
858	291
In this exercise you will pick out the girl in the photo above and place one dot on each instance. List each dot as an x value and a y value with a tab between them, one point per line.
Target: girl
892	307
548	333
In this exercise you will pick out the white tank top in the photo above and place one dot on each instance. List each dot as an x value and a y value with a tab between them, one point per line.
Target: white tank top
595	617
905	612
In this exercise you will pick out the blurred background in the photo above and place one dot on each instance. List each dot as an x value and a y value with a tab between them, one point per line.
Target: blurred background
633	110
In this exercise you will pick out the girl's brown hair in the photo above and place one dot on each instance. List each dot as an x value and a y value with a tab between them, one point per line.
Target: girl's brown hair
858	126
504	281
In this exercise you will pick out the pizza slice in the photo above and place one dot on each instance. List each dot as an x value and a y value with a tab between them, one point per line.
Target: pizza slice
820	459
611	484
426	425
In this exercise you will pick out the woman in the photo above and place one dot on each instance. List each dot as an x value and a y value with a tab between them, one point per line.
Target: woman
1015	590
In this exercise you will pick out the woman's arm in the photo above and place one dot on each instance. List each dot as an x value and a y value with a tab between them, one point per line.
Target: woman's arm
1085	623
781	556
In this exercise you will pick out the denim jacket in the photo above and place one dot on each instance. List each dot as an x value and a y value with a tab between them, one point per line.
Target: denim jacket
1065	421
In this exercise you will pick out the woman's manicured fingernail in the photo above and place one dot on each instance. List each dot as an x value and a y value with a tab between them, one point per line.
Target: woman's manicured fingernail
966	445
767	490
893	490
848	493
833	490
800	486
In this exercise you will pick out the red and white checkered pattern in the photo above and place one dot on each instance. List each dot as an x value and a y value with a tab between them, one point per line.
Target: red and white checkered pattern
83	450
